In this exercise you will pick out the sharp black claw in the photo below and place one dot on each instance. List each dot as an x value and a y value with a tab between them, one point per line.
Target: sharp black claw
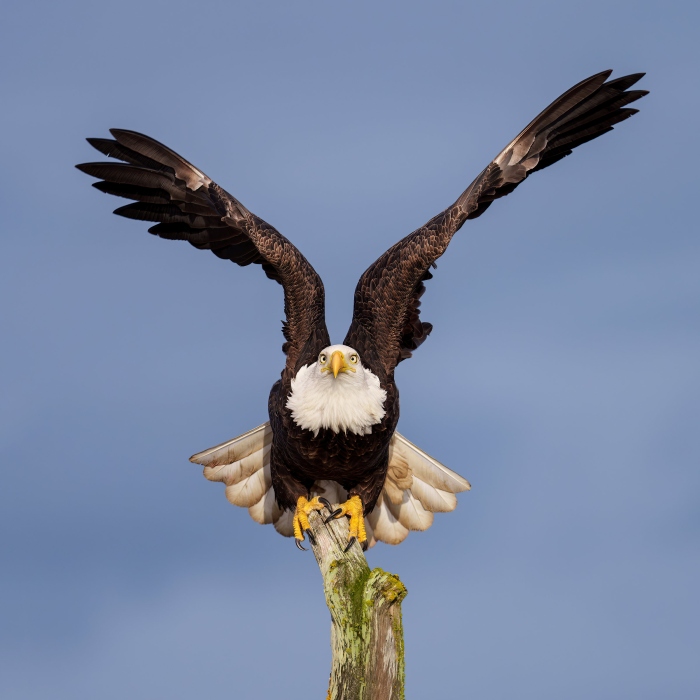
311	537
333	515
326	503
298	544
350	544
365	546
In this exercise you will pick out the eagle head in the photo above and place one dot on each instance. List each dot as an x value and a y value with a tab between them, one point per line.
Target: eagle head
337	393
339	359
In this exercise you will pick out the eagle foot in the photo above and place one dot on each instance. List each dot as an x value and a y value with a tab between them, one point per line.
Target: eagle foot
351	542
325	502
301	519
334	514
354	509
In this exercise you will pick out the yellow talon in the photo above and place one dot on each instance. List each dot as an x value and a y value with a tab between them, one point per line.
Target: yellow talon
301	516
353	507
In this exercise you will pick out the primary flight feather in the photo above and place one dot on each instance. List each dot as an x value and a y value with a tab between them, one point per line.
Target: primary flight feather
331	437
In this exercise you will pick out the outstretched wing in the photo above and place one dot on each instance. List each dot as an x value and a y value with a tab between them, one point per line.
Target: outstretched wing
386	325
189	206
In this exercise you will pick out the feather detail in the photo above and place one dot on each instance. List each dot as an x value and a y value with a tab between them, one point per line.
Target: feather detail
236	449
284	524
266	510
248	492
416	486
371	539
237	460
243	464
410	512
399	476
385	526
429	470
155	151
432	499
238	471
331	490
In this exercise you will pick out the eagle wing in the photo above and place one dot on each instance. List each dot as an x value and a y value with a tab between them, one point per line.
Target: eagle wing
188	205
386	325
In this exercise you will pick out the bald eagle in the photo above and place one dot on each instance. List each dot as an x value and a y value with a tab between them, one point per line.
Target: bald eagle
331	438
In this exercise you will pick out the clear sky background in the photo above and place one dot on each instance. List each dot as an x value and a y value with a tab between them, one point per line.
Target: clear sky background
562	377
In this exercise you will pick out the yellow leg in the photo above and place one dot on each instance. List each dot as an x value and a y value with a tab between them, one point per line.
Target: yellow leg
301	518
354	509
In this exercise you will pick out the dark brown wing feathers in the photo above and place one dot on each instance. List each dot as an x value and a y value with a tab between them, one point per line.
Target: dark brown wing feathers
386	327
185	204
581	114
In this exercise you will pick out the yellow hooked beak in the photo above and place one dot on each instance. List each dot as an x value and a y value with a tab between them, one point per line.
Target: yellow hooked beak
338	364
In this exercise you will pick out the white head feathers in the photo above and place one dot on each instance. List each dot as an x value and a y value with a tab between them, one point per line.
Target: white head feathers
337	393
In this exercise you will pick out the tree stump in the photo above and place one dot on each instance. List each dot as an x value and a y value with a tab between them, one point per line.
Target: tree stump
366	627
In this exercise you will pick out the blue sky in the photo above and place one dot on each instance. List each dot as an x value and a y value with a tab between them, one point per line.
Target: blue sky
562	377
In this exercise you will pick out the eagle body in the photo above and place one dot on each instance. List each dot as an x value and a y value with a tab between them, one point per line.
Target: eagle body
334	411
350	448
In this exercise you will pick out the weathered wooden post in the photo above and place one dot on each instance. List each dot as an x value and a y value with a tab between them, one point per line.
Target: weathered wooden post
366	627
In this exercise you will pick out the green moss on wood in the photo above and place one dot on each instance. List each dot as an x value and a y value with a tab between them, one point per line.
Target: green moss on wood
357	597
397	625
365	607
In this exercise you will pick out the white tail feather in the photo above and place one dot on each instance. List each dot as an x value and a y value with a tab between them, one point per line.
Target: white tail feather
416	486
240	470
385	526
434	500
266	510
410	512
249	491
331	490
371	539
284	524
428	469
236	449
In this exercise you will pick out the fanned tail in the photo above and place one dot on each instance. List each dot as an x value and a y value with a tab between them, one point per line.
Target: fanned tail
243	464
416	487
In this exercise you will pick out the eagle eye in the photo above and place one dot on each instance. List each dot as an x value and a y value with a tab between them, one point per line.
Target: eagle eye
354	359
322	358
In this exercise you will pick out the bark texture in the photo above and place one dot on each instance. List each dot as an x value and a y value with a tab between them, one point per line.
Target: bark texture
366	627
